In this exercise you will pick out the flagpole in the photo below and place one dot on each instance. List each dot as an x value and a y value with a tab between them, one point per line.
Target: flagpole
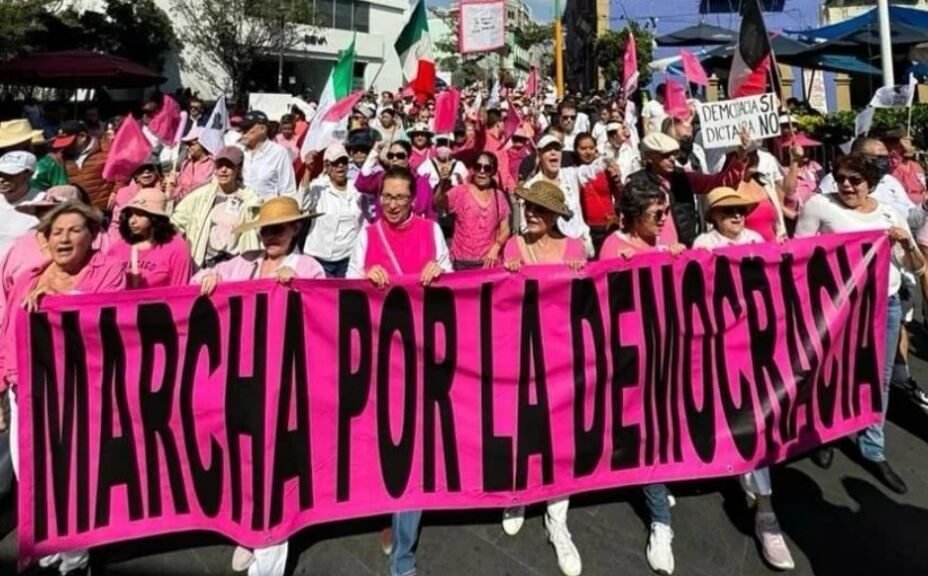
558	50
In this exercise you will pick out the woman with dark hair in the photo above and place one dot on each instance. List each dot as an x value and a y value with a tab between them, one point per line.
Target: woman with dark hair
148	175
75	267
382	158
644	211
853	209
481	216
599	194
153	253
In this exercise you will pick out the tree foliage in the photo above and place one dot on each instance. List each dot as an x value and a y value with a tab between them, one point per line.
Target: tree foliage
19	19
133	29
610	52
534	34
232	35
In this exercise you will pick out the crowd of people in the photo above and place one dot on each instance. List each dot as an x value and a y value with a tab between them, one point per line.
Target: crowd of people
516	183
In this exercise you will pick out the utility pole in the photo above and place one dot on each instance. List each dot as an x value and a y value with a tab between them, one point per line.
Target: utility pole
281	7
558	50
886	46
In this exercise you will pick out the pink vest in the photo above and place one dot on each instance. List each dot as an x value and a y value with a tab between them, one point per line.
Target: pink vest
412	244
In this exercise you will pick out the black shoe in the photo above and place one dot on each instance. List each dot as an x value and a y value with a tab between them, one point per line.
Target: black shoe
824	457
885	474
914	392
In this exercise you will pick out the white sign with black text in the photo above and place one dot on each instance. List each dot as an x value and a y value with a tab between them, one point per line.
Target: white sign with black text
721	122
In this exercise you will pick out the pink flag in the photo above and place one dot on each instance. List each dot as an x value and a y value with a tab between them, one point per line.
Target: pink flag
513	122
343	107
164	124
630	66
675	100
129	149
531	83
692	69
446	111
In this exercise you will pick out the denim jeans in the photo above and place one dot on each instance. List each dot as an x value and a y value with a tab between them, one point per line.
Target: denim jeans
405	534
334	268
872	440
656	497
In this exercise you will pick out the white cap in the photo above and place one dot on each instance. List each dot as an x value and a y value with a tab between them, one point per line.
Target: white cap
613	127
659	142
194	134
335	151
547	140
17	162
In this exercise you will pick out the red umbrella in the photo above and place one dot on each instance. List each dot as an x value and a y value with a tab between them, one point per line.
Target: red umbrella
76	69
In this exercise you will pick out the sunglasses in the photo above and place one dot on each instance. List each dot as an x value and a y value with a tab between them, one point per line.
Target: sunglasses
273	230
657	215
566	117
484	168
854	180
536	209
339	162
396	156
731	211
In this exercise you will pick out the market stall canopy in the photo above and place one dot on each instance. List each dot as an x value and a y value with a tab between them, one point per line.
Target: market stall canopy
898	15
76	69
699	35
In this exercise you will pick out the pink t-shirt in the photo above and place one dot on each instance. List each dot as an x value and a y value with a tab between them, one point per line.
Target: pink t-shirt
248	267
403	249
763	220
161	266
517	249
620	245
100	275
475	225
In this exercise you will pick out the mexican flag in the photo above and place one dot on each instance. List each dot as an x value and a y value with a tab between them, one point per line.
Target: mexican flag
414	47
338	86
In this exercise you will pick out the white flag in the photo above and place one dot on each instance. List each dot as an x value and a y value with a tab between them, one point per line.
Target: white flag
211	138
863	121
900	96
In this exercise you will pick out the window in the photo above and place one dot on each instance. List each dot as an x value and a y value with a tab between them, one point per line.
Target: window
343	10
325	12
362	16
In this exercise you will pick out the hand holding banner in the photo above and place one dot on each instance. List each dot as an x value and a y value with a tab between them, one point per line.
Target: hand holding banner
722	121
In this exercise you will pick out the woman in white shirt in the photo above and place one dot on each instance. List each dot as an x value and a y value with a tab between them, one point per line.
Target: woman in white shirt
333	235
727	210
853	209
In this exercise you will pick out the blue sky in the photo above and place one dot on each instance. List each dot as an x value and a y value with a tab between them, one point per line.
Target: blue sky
542	10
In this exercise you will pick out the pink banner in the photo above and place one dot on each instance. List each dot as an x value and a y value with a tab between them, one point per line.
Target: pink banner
262	410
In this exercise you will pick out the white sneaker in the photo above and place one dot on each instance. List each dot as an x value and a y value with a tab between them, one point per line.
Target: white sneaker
568	557
50	560
772	544
242	558
513	519
660	552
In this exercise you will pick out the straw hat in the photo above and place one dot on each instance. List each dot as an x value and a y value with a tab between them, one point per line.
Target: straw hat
15	132
724	196
150	201
279	210
546	195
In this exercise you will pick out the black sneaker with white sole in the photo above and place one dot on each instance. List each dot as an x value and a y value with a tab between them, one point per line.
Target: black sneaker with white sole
913	392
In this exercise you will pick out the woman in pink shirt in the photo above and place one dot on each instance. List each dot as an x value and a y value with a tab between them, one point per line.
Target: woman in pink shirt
153	254
481	217
400	243
421	139
196	170
278	223
148	175
543	243
75	267
644	212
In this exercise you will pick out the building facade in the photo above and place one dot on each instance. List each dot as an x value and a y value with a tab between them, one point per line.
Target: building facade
373	24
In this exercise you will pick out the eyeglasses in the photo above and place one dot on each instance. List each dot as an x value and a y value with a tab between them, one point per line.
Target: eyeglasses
483	168
731	211
339	162
854	180
657	215
568	117
400	200
396	156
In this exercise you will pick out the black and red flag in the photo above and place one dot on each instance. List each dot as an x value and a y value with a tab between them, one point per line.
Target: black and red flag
753	56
